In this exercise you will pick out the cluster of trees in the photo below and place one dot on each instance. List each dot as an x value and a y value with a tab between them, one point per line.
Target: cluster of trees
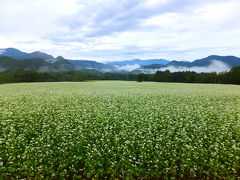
21	75
231	77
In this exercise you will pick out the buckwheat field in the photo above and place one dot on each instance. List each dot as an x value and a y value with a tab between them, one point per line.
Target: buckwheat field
116	129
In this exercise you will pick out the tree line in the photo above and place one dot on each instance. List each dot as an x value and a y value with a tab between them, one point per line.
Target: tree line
231	77
23	75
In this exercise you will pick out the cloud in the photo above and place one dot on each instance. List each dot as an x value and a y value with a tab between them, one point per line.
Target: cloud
121	29
215	66
128	67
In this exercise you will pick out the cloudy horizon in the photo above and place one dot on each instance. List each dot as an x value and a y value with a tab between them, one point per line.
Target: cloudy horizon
107	30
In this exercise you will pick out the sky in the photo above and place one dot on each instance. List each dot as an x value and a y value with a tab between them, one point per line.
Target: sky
109	30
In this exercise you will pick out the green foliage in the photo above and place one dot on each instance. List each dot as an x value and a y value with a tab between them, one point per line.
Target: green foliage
140	77
234	75
125	130
24	75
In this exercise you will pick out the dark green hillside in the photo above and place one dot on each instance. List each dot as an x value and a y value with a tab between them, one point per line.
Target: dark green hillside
229	60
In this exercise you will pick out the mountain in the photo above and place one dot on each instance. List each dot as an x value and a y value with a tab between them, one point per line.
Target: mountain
17	54
231	61
139	62
12	59
36	54
179	63
12	52
12	56
54	65
62	64
211	63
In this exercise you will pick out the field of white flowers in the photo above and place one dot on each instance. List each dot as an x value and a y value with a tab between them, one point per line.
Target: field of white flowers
116	129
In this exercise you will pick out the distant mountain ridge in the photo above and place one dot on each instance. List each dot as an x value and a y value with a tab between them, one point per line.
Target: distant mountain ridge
12	59
18	58
12	52
139	62
231	61
37	54
17	54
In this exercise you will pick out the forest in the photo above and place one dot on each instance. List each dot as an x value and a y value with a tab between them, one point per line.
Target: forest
24	75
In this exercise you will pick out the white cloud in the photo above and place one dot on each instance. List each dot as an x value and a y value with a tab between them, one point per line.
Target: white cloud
33	18
121	29
154	3
128	67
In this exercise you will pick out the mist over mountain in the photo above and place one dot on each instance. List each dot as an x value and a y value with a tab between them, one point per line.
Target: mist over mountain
213	66
12	59
91	65
139	62
211	63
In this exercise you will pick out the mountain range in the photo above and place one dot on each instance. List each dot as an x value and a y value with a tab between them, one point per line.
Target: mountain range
12	59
